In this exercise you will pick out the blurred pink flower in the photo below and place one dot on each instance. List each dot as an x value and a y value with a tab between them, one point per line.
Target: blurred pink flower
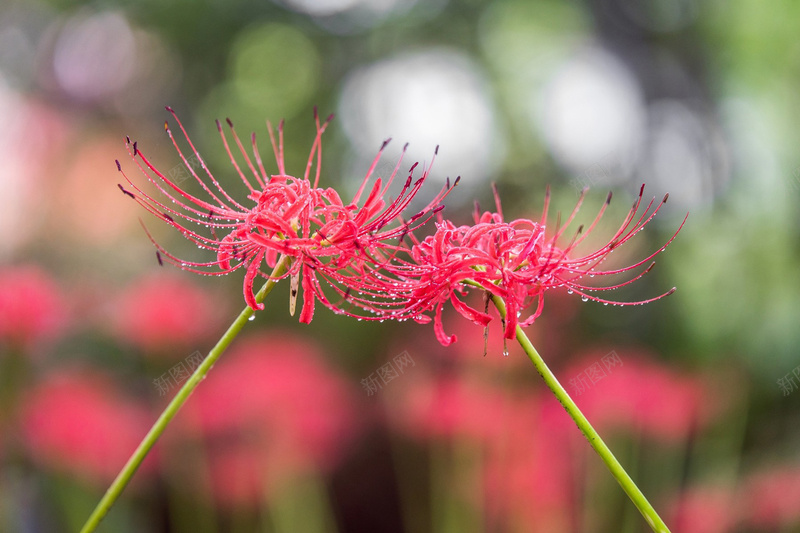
429	406
32	145
31	306
628	390
773	498
705	510
163	313
530	477
80	422
273	411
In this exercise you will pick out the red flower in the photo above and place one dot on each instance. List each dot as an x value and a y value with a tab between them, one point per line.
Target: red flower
772	497
451	407
31	306
712	509
274	411
164	312
531	476
628	391
283	215
80	423
515	260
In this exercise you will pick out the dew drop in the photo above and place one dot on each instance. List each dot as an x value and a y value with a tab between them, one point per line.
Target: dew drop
569	291
584	299
252	317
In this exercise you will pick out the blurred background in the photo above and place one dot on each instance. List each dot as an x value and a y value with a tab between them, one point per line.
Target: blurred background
697	394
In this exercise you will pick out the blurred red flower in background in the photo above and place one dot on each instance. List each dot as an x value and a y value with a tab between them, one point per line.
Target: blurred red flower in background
163	312
635	393
530	476
273	411
773	498
712	509
32	307
523	442
442	407
80	423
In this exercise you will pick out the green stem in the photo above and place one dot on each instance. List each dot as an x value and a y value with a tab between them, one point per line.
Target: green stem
586	428
177	402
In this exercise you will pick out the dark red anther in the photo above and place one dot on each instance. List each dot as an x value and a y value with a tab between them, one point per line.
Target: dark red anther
158	256
168	218
119	167
230	123
126	192
135	148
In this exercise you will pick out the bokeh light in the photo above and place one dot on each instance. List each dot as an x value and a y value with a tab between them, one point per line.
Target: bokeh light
435	98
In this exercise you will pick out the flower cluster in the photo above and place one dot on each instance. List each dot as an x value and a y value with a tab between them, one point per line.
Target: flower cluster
359	253
324	237
515	261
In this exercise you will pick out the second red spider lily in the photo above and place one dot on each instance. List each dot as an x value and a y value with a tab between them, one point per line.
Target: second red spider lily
516	261
284	216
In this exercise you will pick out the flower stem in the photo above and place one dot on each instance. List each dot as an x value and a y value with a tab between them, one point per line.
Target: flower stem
125	475
586	428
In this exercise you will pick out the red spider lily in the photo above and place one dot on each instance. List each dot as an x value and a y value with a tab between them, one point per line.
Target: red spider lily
274	412
164	313
285	215
515	261
79	422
